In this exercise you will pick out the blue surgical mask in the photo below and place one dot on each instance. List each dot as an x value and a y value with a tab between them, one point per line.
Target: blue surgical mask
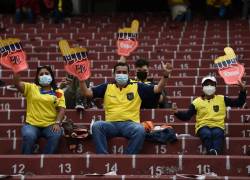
121	79
45	80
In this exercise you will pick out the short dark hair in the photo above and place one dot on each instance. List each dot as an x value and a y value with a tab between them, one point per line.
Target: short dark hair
120	64
53	83
141	62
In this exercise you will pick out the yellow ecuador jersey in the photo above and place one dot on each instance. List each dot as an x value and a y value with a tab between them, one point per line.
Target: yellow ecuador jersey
210	113
122	104
42	108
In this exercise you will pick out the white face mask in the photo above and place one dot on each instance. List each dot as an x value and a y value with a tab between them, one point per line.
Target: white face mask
121	79
209	90
45	80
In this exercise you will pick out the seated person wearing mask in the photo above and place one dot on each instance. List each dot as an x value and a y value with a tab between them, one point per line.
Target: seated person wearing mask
210	111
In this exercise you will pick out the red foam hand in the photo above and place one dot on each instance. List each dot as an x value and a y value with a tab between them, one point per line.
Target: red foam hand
228	67
12	55
127	39
76	60
126	46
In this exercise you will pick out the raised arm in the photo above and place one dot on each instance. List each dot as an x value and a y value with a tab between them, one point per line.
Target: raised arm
167	69
18	83
240	101
85	91
122	59
184	115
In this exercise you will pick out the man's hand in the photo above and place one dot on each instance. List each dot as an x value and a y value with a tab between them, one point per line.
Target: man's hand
122	59
65	82
167	68
242	85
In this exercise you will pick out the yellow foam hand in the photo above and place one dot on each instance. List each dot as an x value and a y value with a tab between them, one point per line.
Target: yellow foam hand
229	54
133	29
76	60
229	69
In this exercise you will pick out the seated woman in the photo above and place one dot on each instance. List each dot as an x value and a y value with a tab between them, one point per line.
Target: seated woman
45	110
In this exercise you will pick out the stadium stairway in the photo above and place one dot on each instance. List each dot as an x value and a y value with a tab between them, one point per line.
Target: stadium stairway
189	47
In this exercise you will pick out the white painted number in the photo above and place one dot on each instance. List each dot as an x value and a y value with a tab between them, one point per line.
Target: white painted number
245	118
117	149
155	170
248	169
79	148
169	118
245	133
18	168
65	168
111	167
177	93
160	149
245	148
11	133
4	106
203	168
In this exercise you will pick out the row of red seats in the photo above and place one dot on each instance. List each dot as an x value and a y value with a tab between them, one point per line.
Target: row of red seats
156	115
188	145
125	164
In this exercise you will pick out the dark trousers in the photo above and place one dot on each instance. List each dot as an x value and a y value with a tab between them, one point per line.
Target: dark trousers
212	138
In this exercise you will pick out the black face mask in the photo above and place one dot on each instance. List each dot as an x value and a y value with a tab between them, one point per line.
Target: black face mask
141	75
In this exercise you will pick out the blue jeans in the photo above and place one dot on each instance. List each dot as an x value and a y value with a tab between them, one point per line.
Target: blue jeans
31	134
103	130
212	138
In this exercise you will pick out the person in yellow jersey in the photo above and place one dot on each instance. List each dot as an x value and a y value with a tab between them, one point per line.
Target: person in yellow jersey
45	110
122	101
210	111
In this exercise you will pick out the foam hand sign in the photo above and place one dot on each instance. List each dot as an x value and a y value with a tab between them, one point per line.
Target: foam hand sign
12	55
76	60
127	39
229	69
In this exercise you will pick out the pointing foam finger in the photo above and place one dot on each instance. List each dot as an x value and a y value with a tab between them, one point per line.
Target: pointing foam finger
64	47
135	26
